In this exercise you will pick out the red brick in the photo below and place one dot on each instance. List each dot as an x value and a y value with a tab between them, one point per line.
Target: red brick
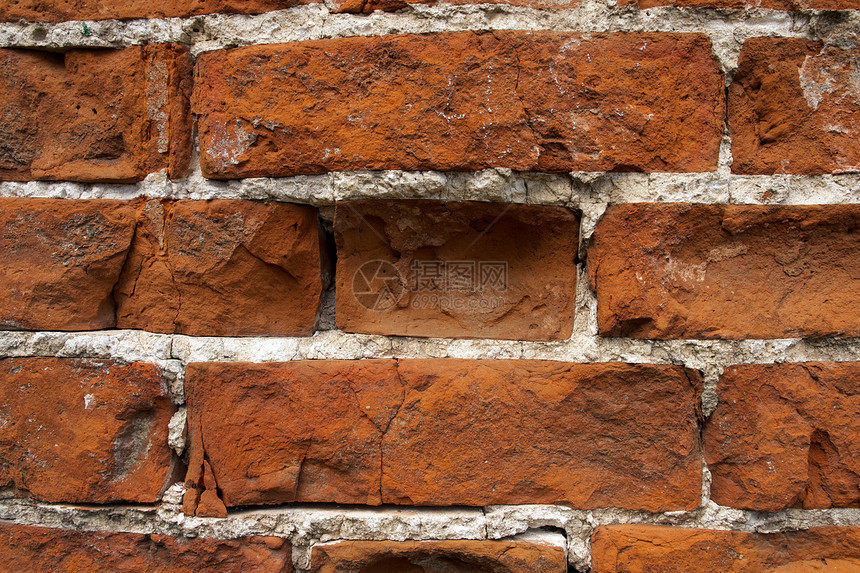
794	108
212	268
786	435
439	432
44	550
726	271
61	260
660	549
95	115
771	4
84	431
381	291
507	556
222	268
540	101
60	10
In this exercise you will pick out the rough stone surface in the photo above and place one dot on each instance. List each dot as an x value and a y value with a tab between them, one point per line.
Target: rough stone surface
369	6
461	101
786	435
726	271
222	267
428	268
772	4
656	549
60	262
438	432
794	107
84	431
45	550
417	556
95	115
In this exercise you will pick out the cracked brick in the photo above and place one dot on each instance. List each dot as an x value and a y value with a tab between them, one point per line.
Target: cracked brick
458	101
439	432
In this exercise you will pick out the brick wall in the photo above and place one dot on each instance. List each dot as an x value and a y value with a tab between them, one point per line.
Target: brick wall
390	286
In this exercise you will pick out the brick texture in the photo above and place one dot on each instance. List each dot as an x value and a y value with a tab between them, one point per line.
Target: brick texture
413	556
44	550
794	108
461	101
210	268
60	10
84	431
726	271
95	115
786	435
439	432
659	549
223	267
427	268
61	260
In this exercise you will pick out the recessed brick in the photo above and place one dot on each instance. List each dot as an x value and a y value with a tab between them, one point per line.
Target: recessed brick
726	271
479	270
84	431
61	261
95	115
786	435
660	549
60	10
793	108
45	550
222	268
529	101
439	432
485	556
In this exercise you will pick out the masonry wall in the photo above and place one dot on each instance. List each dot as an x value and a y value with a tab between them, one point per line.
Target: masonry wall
394	286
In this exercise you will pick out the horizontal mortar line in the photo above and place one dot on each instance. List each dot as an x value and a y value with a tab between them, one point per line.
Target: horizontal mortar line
316	22
306	521
574	189
134	345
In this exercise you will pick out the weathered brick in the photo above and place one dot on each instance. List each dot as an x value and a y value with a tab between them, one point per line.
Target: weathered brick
786	435
46	550
428	268
660	549
60	262
223	267
726	271
212	268
95	115
84	431
439	432
539	101
60	10
509	556
794	108
772	4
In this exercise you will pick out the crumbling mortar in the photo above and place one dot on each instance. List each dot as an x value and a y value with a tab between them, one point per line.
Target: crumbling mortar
727	28
306	525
